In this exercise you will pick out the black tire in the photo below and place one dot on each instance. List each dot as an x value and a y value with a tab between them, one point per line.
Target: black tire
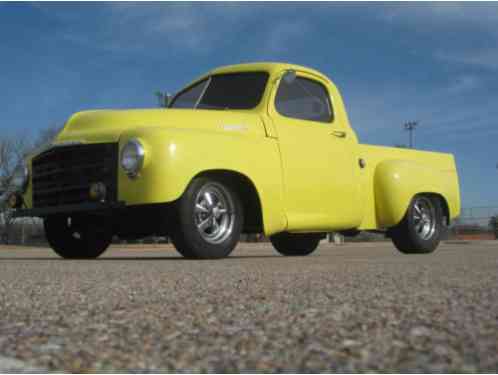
79	237
414	235
295	244
220	235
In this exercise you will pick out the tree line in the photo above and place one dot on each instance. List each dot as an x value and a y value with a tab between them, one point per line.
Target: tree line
13	150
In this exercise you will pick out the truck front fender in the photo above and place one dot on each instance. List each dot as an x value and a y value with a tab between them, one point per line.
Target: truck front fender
174	156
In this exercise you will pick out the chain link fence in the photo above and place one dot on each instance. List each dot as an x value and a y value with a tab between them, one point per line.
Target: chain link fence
474	223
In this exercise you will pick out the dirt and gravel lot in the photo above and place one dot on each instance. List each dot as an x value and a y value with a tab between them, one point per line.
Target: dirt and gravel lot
344	308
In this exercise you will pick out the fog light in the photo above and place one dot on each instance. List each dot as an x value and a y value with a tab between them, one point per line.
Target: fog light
14	200
97	191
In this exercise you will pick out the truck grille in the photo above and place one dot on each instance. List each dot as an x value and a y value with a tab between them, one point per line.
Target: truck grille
63	175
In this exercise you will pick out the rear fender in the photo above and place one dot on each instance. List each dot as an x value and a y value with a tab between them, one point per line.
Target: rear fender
396	182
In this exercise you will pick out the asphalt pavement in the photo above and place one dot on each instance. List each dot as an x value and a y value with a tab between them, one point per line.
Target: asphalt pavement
345	308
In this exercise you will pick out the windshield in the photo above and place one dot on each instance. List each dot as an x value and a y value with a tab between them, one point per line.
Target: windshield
224	91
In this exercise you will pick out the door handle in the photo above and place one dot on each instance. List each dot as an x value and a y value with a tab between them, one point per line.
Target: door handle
339	134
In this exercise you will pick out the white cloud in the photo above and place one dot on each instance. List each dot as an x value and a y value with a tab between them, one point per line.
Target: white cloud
286	35
484	58
469	28
443	15
446	112
173	23
194	27
464	84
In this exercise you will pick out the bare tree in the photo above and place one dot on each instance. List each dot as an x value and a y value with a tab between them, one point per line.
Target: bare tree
6	222
12	151
47	135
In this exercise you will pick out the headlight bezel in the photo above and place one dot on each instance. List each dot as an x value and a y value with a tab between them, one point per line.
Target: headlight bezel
20	178
132	145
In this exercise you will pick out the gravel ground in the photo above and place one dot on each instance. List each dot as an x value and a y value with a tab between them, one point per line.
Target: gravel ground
344	308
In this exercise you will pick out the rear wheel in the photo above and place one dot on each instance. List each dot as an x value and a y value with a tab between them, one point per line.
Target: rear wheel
78	237
420	230
209	219
295	244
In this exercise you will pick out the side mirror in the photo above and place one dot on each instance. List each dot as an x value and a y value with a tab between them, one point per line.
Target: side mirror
163	98
289	76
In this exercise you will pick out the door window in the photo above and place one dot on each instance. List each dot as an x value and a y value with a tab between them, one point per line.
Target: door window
304	99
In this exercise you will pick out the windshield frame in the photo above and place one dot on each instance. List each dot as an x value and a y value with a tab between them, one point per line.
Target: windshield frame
208	79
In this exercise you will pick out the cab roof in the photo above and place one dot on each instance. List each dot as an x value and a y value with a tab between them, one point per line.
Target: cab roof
270	67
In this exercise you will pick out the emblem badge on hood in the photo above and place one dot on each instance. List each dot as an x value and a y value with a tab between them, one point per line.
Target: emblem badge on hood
235	127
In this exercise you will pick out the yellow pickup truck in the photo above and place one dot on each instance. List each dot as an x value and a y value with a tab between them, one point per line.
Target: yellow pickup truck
253	148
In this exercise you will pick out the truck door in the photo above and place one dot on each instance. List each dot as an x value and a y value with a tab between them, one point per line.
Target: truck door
320	187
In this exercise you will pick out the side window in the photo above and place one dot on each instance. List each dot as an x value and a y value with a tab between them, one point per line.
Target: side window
304	99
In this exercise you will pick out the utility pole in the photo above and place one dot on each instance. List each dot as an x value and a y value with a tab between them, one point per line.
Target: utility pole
410	127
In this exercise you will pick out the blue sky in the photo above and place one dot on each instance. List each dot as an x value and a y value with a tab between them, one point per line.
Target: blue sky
432	62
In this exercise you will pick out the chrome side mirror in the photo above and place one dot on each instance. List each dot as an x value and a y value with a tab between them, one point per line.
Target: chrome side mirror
164	99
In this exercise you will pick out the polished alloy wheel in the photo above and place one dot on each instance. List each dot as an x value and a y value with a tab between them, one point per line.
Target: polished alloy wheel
214	213
424	218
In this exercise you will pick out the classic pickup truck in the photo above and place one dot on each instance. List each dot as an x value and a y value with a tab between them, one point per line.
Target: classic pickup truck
253	148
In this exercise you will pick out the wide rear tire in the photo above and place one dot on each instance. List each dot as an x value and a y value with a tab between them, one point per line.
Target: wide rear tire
421	229
295	244
79	237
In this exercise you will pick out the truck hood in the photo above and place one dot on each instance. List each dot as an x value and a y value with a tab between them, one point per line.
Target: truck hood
108	125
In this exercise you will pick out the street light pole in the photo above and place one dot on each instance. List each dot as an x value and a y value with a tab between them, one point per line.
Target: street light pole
410	127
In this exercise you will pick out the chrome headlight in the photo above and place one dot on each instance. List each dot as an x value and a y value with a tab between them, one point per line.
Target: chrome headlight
20	177
132	157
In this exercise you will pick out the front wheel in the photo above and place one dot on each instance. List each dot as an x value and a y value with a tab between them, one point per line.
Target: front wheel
78	237
209	219
420	230
295	244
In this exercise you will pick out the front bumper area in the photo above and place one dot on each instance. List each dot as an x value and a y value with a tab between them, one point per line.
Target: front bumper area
68	208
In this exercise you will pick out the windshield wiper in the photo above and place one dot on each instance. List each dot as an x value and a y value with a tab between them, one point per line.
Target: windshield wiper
207	106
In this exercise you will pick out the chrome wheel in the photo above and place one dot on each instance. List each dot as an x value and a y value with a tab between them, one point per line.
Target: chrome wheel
424	218
214	213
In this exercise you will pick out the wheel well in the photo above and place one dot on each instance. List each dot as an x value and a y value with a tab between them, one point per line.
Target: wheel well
444	205
245	189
